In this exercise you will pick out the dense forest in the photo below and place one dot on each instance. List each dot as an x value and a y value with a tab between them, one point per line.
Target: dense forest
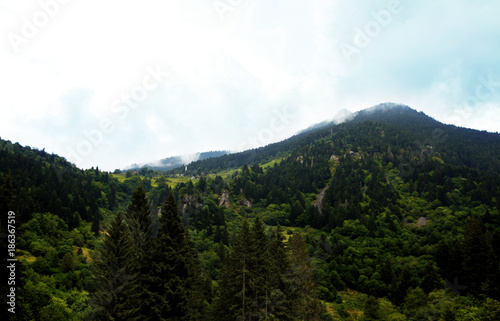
389	216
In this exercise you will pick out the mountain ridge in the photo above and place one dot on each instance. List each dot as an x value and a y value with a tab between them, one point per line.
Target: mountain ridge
422	128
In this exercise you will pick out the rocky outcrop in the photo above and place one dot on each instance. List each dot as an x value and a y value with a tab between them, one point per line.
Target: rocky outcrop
224	199
190	201
246	202
335	158
319	201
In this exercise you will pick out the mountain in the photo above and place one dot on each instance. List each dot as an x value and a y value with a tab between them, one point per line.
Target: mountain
342	116
456	145
177	161
389	214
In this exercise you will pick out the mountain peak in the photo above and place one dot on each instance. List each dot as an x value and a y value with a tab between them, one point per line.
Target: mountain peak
391	113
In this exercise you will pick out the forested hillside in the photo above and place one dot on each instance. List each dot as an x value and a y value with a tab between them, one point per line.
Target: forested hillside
390	216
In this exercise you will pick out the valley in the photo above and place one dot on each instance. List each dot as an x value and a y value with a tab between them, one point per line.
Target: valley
369	219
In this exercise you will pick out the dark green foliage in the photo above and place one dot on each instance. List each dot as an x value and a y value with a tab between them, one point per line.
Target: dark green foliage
174	276
430	280
235	298
260	280
140	227
371	309
114	296
386	203
476	256
139	222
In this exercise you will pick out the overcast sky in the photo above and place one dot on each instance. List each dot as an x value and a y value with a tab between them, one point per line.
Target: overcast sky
111	83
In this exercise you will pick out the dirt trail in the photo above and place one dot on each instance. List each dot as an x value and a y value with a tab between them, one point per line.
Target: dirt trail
319	202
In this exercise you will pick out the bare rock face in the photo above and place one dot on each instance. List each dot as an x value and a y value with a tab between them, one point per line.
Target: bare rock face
190	200
421	221
224	199
246	202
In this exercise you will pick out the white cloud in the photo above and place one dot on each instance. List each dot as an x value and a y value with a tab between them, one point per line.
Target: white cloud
228	76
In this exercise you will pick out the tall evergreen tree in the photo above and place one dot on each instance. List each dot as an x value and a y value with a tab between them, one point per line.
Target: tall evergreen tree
141	237
476	255
114	296
7	199
431	279
279	264
261	271
111	197
302	295
95	223
234	286
168	298
139	222
174	279
198	284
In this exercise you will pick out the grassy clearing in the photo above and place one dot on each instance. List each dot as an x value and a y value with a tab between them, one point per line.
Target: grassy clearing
271	163
120	177
172	181
353	302
26	256
86	252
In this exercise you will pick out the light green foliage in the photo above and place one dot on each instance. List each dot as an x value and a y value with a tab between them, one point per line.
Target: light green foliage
354	191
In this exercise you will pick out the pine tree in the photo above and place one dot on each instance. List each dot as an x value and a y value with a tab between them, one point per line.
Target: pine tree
234	286
139	222
261	277
279	264
198	284
176	278
141	238
302	297
95	223
111	197
431	279
7	198
115	294
476	255
371	309
168	298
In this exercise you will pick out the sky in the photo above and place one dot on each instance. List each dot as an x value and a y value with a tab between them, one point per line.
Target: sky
112	83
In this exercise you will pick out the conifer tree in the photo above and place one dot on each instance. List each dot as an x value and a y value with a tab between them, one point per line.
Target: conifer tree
260	268
139	222
141	238
168	298
7	198
371	309
476	255
176	278
115	294
234	285
198	285
431	279
111	197
302	298
279	264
